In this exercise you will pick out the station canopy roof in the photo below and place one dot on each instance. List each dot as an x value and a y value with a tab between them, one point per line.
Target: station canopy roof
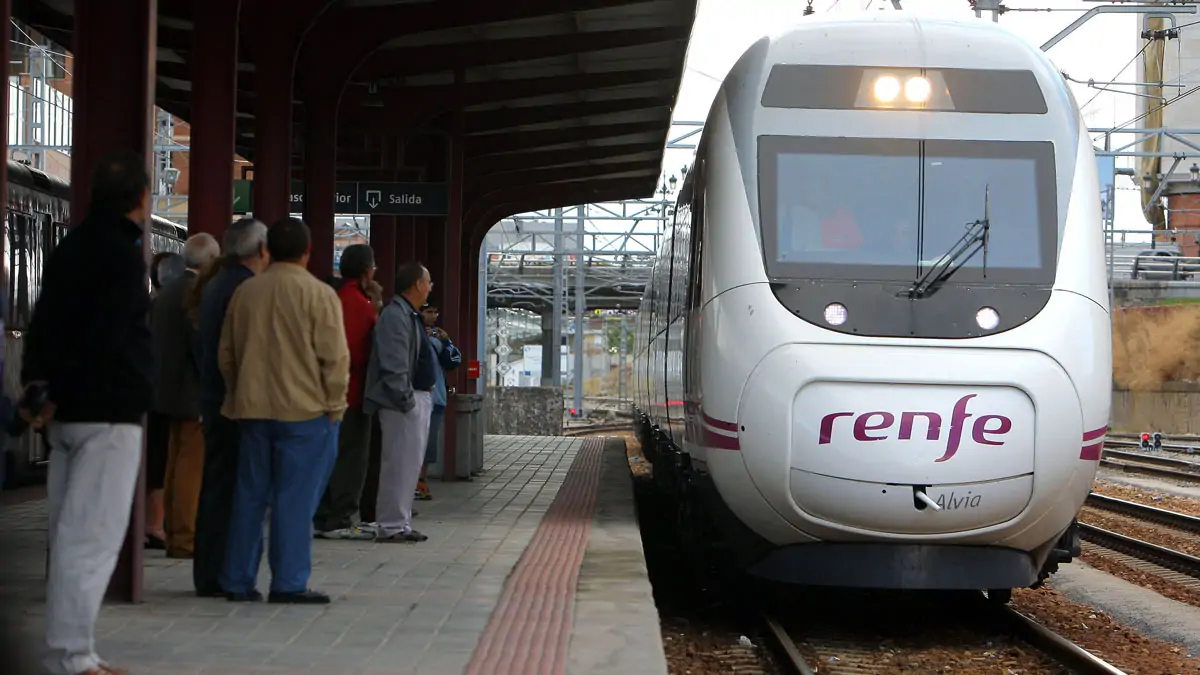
556	92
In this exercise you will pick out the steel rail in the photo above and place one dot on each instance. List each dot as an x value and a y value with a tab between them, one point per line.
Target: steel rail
1155	460
785	647
1152	514
1163	472
1063	650
1159	555
1067	653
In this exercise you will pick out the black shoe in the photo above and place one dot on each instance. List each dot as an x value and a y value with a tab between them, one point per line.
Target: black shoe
412	536
309	597
248	596
153	543
210	593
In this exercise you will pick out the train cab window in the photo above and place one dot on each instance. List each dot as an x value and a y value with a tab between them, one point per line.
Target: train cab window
889	209
821	217
960	178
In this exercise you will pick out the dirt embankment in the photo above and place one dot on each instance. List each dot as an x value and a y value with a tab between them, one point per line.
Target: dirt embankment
1154	345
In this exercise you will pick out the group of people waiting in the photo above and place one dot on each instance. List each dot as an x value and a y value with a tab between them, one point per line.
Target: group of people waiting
260	393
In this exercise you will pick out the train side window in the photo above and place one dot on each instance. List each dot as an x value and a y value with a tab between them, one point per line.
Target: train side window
697	236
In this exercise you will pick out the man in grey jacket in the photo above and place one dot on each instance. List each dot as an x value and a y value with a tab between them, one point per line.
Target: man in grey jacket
177	396
401	375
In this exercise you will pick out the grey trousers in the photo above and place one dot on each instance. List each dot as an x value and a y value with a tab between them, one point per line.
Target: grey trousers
89	491
339	505
402	452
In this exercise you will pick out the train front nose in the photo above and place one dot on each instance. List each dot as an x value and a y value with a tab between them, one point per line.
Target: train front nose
910	458
906	441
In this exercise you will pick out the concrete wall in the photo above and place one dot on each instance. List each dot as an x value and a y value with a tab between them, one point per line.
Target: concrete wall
1174	409
1127	292
524	411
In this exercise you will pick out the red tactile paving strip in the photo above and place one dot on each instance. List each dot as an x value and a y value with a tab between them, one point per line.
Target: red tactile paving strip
528	632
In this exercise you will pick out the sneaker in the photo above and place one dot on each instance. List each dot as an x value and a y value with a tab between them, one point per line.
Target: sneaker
423	491
410	537
371	527
353	533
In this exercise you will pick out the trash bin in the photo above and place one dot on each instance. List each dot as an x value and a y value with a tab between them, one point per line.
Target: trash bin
469	449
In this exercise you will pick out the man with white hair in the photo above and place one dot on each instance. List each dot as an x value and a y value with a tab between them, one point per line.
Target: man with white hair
245	256
177	396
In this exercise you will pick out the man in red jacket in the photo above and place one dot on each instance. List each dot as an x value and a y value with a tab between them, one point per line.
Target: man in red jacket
339	506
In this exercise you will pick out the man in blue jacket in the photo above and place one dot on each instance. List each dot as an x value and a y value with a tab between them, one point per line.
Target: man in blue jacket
245	256
448	358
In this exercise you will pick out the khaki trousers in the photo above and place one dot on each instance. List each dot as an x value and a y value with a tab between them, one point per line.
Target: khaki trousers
185	473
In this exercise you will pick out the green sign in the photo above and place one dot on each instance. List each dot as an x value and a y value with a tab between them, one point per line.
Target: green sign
363	198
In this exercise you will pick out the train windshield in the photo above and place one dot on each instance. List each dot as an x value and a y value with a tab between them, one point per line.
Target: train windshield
889	209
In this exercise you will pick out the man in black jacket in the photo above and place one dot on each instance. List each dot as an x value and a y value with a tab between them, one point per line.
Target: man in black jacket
88	346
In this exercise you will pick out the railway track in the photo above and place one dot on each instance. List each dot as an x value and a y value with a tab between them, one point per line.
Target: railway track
598	428
1153	465
1174	448
812	652
1177	567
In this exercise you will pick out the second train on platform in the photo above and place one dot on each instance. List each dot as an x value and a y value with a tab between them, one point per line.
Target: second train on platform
875	350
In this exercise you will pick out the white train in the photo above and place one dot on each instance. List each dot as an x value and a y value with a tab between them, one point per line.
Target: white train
876	351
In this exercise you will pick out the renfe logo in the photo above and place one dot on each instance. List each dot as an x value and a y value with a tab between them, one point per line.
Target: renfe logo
984	426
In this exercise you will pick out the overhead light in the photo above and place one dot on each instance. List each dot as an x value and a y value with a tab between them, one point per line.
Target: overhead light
373	99
887	88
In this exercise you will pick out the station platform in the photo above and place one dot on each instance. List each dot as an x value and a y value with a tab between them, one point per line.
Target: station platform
534	567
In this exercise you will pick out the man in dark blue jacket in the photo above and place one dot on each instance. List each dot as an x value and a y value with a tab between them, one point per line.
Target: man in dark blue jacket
88	365
245	249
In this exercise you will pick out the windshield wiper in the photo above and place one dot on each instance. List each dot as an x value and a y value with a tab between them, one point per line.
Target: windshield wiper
974	239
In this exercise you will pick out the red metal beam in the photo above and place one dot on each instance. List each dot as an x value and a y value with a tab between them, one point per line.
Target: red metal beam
541	176
494	144
402	61
487	213
383	120
480	167
373	27
214	91
496	91
113	90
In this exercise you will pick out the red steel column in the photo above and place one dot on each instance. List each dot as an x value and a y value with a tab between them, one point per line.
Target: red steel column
383	243
214	105
406	247
5	55
451	307
274	63
113	91
320	179
421	227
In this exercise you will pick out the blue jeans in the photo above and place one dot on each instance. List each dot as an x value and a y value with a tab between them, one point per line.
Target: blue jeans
285	465
436	422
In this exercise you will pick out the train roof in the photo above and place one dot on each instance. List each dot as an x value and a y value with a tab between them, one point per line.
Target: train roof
904	38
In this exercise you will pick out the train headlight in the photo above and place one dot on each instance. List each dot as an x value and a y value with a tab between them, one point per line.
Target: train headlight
835	314
903	88
917	89
887	88
987	318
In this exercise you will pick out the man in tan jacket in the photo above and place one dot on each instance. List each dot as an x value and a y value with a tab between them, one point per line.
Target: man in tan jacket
286	366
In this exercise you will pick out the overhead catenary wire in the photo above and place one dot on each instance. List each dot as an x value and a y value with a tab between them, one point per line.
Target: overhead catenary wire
1118	75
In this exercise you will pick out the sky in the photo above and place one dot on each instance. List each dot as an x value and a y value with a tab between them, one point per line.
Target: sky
1098	50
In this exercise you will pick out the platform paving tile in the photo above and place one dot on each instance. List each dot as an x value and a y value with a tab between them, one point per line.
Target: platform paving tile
397	609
